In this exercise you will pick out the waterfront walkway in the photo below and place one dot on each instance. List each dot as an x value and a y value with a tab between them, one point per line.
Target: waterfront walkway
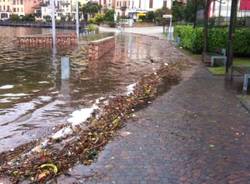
197	133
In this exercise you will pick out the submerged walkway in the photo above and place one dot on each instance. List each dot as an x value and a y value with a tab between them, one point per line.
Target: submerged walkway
196	133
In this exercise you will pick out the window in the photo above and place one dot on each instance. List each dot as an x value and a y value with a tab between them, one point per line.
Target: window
150	3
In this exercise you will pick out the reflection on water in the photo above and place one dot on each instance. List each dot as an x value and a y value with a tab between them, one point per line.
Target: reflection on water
34	99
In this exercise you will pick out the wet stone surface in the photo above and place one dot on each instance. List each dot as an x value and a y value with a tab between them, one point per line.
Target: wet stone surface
198	133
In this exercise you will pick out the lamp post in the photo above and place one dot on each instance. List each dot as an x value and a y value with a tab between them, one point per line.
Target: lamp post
52	4
77	20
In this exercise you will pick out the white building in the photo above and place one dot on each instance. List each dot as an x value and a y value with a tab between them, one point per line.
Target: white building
5	9
64	8
132	8
223	9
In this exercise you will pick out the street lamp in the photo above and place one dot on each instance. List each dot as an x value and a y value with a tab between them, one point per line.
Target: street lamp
77	19
52	4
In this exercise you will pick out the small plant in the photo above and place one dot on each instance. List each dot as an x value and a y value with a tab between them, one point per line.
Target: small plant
92	27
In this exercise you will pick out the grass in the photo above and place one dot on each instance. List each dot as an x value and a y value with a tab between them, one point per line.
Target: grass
217	70
220	70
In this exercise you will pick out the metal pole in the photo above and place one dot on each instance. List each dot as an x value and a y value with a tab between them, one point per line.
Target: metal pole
77	19
52	3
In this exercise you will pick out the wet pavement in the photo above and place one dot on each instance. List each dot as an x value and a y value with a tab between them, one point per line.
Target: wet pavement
197	133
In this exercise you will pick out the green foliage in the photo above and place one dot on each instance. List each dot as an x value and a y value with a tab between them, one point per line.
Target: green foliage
47	18
14	18
220	70
109	16
192	39
90	8
191	9
92	27
28	18
150	16
98	19
159	15
178	10
186	12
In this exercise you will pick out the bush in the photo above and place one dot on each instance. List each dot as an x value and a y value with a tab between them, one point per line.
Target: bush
150	16
192	39
98	19
92	27
14	18
109	16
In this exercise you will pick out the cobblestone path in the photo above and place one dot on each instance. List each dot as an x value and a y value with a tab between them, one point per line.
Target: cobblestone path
197	133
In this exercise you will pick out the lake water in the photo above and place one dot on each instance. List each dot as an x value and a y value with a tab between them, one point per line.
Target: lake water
34	99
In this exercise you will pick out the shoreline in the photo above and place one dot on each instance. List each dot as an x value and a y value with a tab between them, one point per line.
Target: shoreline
85	144
37	25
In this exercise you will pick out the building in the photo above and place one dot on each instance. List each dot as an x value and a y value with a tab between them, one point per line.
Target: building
17	7
222	8
107	4
5	9
65	9
132	8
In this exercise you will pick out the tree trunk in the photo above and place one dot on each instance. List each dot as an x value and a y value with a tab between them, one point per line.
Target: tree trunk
231	30
195	12
205	32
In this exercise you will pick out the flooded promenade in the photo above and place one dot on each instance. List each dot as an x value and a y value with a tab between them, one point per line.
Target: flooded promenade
34	99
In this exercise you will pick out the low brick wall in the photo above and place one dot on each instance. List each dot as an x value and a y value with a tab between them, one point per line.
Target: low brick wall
62	40
98	48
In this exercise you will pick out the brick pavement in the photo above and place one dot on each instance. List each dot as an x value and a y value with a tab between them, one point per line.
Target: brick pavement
197	133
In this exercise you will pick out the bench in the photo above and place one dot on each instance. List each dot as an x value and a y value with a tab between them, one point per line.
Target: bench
219	55
245	71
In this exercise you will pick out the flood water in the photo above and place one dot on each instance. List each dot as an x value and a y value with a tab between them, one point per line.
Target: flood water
34	99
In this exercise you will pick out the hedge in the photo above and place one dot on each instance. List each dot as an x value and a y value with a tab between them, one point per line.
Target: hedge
192	39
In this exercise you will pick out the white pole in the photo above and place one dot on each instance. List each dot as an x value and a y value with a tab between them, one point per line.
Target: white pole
77	19
170	29
52	3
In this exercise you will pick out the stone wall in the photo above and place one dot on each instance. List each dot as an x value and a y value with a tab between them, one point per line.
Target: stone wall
98	48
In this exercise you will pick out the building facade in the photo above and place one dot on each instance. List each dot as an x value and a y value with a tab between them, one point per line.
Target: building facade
132	8
222	8
17	7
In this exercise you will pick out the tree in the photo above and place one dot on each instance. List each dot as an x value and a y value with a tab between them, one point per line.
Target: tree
191	9
207	4
109	16
150	16
159	14
90	8
231	31
178	10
